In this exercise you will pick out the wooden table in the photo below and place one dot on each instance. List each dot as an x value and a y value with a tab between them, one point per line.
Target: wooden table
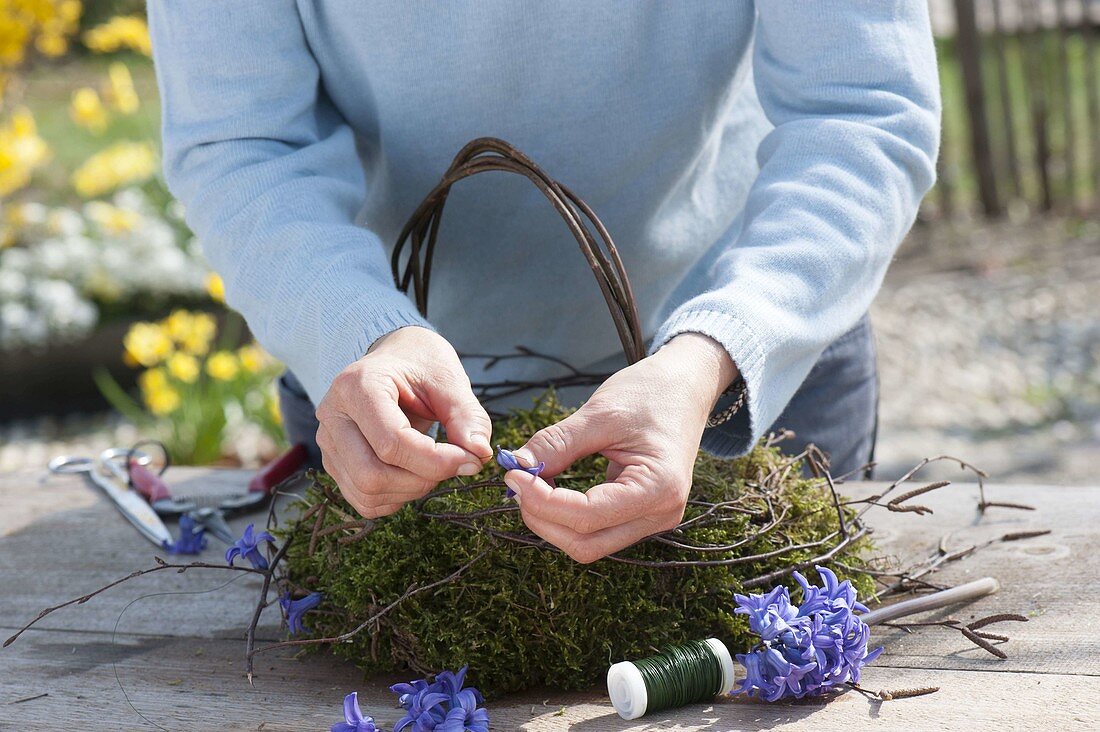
176	656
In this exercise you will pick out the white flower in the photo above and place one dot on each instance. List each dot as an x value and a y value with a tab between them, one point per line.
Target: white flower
64	222
13	285
14	315
15	259
131	199
104	252
54	299
31	213
50	259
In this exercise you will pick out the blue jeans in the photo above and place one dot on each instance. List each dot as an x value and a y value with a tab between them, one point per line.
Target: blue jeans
836	408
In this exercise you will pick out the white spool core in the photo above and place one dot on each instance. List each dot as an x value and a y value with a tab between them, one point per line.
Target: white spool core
726	660
626	688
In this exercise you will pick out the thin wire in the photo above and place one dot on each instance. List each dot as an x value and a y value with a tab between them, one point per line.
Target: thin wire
680	675
114	633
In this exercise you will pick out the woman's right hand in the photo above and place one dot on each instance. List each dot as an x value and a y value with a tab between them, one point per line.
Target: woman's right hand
374	418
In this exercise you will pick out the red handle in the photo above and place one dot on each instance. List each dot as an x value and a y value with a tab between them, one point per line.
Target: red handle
278	470
148	483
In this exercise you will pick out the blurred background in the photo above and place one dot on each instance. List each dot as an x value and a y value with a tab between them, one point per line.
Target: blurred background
112	328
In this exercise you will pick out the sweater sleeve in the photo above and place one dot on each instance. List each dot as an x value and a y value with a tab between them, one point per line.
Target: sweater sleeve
267	170
852	91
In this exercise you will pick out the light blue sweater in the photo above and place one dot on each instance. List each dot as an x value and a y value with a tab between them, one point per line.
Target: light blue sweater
756	164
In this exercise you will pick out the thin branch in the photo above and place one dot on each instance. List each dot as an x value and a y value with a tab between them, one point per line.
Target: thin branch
261	603
161	566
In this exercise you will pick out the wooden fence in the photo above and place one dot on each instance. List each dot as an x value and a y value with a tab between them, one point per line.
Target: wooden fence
1021	107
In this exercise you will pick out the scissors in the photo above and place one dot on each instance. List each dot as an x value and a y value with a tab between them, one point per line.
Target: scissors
129	503
210	509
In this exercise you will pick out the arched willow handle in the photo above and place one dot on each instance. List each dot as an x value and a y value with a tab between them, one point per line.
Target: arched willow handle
490	154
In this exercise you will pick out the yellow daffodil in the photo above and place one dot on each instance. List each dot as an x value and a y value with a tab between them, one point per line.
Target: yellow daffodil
113	167
120	32
88	111
15	33
152	380
45	23
222	366
69	11
215	287
178	325
253	358
22	151
120	91
52	44
147	343
184	367
194	332
163	401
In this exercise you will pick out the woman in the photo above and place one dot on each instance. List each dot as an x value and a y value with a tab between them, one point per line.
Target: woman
757	165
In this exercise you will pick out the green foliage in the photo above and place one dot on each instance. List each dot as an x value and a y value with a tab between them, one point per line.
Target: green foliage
525	616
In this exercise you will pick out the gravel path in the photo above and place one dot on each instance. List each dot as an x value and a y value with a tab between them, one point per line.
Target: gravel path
989	348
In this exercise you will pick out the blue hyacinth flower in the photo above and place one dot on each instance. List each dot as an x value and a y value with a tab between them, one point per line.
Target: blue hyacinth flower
192	539
295	609
507	460
354	721
443	705
248	547
808	649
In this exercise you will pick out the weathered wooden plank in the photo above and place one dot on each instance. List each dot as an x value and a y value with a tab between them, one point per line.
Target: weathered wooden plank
60	556
182	684
1011	156
1041	577
66	552
180	657
968	46
1032	47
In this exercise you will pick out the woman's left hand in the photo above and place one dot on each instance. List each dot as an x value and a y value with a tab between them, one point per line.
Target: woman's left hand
647	420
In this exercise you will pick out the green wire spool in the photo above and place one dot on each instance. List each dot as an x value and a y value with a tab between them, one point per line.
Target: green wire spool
678	676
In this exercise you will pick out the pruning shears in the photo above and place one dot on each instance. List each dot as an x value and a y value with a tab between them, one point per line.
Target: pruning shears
207	509
129	503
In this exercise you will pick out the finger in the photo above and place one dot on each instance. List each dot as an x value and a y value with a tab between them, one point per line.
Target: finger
560	445
601	507
355	497
465	420
396	442
420	424
375	482
586	548
614	470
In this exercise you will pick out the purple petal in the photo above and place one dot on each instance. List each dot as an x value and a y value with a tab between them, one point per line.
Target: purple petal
507	460
352	713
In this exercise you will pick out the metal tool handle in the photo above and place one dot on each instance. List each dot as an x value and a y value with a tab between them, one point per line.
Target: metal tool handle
943	598
135	509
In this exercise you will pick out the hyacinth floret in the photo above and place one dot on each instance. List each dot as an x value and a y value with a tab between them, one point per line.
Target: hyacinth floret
443	705
804	649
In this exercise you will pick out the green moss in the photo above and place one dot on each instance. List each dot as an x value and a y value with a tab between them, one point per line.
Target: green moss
525	616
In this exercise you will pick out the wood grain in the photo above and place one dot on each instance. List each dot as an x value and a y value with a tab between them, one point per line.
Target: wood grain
180	656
